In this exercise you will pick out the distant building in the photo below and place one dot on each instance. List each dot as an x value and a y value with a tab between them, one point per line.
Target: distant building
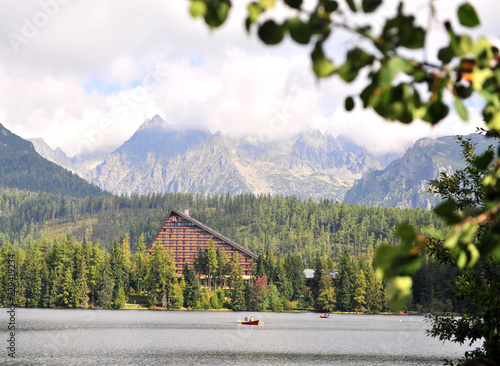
184	236
309	274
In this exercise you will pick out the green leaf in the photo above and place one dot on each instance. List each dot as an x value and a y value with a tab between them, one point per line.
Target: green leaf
436	111
271	33
267	4
406	232
384	256
370	6
493	122
349	104
296	4
393	67
322	66
352	5
481	47
467	15
254	10
461	110
447	211
399	291
217	12
299	31
356	60
482	162
359	58
445	55
330	5
197	8
347	72
413	39
473	254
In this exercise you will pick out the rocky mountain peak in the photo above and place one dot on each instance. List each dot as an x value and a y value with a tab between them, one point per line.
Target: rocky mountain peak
155	123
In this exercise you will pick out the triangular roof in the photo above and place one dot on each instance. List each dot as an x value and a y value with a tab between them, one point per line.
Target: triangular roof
207	229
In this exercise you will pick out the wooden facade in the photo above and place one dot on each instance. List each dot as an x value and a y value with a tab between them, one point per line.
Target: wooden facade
184	236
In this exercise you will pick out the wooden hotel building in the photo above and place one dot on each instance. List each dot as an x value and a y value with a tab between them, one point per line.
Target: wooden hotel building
184	236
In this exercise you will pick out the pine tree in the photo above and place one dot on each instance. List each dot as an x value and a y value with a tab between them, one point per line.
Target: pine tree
68	289
119	300
237	292
318	272
94	272
116	266
211	262
326	300
374	288
32	273
222	268
6	254
177	297
80	278
260	266
105	292
192	288
139	265
161	276
127	261
295	274
359	295
345	285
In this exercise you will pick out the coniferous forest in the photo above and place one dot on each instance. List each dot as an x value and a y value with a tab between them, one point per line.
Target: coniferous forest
91	252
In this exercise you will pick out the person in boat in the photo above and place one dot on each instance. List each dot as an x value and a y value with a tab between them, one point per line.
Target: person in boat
246	318
251	318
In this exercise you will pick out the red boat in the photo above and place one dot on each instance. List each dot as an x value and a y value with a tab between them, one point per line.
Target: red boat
402	314
324	316
358	313
161	309
255	322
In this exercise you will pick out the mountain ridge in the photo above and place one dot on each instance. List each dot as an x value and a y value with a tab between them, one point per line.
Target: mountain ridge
161	157
22	167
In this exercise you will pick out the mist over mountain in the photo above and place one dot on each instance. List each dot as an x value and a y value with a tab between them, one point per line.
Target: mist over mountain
161	157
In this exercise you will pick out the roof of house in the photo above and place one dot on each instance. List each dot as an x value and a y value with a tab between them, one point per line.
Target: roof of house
209	230
309	273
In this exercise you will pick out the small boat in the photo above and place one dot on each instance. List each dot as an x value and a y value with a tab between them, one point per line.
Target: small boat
403	314
254	322
324	316
161	309
358	313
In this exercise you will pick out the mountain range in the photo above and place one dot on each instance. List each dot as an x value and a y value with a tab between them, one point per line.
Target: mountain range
160	157
404	182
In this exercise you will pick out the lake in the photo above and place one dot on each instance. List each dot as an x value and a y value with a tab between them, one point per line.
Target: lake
140	337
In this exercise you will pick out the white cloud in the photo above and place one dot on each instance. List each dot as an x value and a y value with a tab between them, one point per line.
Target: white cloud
64	82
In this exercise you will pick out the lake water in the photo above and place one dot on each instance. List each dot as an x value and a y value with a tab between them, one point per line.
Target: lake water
140	337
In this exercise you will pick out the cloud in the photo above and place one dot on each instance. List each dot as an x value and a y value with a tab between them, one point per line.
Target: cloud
90	72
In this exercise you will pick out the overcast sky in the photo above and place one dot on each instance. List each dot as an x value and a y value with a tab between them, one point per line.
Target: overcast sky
86	74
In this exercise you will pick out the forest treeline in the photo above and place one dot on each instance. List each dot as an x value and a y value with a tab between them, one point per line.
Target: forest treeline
277	223
100	259
68	273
